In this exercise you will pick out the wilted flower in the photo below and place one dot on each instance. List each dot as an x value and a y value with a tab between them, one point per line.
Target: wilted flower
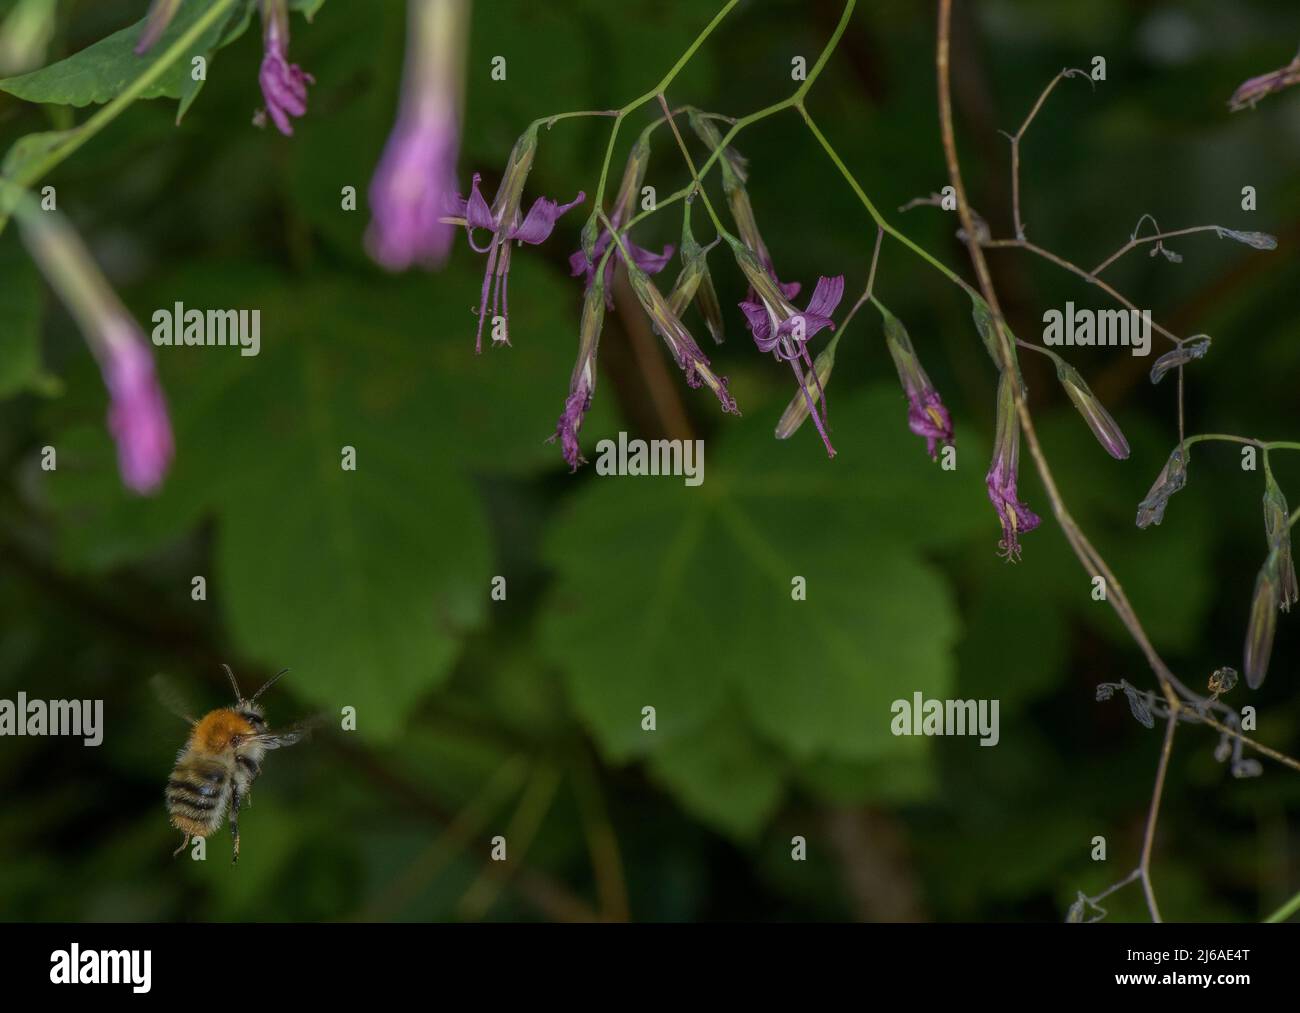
594	245
1189	349
137	414
1172	477
506	225
1278	530
284	84
414	187
159	17
1263	621
1093	411
686	351
582	383
1251	91
1001	480
1257	240
1222	680
926	414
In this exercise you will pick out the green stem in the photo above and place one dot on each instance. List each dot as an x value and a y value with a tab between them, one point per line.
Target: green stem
118	105
1286	910
1265	445
876	216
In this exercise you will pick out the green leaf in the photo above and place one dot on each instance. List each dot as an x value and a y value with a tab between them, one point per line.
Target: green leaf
705	575
102	71
20	317
31	148
724	776
307	8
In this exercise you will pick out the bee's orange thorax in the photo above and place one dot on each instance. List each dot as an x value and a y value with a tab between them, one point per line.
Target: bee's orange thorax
215	730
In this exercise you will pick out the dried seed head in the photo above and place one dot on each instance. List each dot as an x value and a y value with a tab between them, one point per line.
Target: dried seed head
1191	348
1172	477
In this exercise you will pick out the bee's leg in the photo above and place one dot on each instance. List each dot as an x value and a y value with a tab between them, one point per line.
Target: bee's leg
235	799
185	839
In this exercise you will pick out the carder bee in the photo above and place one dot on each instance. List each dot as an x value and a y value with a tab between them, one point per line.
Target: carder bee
216	767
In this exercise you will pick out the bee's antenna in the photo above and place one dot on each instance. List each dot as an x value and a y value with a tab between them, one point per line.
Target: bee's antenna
269	683
234	685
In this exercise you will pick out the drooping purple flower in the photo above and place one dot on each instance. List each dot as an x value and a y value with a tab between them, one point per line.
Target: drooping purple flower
504	223
284	84
137	414
926	413
582	382
1001	480
414	186
646	260
780	328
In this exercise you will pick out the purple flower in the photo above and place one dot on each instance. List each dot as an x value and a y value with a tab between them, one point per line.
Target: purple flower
415	183
582	383
504	223
284	84
926	414
1016	518
137	414
778	327
650	263
1251	91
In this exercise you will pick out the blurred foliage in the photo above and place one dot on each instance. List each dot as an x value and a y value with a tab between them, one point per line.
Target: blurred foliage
523	717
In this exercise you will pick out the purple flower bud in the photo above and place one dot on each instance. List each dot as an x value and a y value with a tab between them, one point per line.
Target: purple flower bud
159	17
284	84
1001	480
414	187
1263	622
1105	428
926	414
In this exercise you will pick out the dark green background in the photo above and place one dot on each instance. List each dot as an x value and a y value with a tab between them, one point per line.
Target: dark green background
522	718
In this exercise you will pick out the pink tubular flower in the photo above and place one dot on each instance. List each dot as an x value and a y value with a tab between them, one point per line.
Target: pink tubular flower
137	414
414	187
927	415
284	84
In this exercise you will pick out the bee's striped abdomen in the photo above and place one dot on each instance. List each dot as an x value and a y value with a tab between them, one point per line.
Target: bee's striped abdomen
198	793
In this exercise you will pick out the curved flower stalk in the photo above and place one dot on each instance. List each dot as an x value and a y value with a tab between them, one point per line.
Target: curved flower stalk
782	329
596	238
414	186
137	413
582	382
1003	474
506	225
927	415
284	84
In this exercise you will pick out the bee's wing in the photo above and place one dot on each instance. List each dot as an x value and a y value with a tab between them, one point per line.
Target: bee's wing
171	698
291	734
